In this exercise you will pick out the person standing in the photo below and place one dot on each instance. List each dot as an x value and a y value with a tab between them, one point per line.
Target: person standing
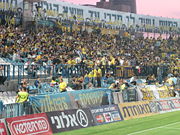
37	82
22	95
62	85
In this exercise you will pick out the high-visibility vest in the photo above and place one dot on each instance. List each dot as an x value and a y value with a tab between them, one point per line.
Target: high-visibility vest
22	97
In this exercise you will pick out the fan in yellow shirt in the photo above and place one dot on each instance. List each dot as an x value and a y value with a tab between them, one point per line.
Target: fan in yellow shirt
62	86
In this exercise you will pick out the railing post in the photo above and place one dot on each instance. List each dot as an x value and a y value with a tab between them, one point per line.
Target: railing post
13	74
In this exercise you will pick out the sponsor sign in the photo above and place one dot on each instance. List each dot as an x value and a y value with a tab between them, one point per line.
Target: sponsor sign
35	124
176	103
106	114
3	129
135	109
70	119
165	105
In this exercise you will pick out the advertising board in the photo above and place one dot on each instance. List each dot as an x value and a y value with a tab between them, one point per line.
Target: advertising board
106	114
135	109
3	129
165	105
70	119
36	124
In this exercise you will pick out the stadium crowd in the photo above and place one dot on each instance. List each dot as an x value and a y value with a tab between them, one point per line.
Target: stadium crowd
96	49
47	48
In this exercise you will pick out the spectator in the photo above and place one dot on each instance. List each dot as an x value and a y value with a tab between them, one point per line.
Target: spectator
37	82
62	86
53	82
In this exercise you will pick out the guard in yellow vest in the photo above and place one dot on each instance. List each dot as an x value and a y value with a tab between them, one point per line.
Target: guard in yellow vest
22	96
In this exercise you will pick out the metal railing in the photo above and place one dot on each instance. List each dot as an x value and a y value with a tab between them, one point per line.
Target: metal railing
20	71
15	109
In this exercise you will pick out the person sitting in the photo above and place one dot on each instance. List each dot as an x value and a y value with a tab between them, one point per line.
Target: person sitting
150	79
53	82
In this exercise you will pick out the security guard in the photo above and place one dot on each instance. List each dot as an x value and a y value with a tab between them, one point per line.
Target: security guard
22	95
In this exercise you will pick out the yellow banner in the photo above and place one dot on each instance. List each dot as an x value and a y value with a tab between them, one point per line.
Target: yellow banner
155	92
133	110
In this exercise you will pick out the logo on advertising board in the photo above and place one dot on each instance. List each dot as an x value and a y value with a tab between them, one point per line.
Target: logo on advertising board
116	116
106	114
100	118
3	130
166	105
35	124
176	103
70	119
108	117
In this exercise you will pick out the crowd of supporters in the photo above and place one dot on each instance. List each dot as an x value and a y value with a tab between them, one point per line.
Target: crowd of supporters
48	47
93	49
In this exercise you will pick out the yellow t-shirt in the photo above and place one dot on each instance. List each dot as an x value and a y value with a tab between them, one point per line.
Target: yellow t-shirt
112	61
70	62
123	87
95	73
99	73
22	97
90	75
62	86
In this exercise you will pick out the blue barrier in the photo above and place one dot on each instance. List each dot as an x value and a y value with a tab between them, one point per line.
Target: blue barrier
70	100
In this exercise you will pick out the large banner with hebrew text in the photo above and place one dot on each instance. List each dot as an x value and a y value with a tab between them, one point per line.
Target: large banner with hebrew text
60	9
70	100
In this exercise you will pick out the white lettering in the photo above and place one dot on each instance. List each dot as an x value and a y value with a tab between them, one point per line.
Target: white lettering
29	127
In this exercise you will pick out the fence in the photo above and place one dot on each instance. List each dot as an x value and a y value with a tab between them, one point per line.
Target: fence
15	109
20	71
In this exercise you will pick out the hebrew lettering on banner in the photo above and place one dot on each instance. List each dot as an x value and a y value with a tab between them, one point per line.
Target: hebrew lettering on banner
10	4
91	98
70	100
135	109
29	124
71	11
70	119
